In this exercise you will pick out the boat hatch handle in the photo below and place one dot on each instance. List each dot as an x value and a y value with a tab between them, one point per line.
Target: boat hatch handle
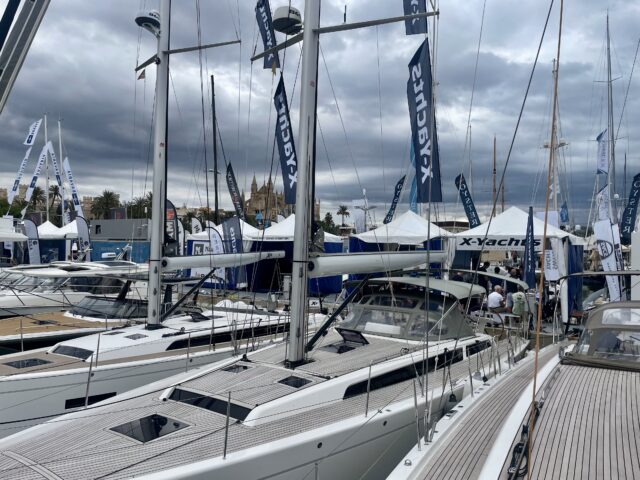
322	331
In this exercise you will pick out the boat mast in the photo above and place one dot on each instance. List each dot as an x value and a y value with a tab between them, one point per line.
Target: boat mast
554	133
611	176
494	177
46	140
307	126
216	215
159	170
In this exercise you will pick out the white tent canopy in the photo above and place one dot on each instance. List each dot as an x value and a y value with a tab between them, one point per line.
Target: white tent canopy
70	230
507	232
407	229
249	232
8	233
48	231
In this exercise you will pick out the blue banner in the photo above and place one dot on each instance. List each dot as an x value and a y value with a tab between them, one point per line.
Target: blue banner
564	213
234	191
232	234
529	272
416	25
467	201
286	147
263	16
396	198
628	222
423	126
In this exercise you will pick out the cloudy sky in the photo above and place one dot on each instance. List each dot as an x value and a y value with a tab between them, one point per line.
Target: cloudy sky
81	69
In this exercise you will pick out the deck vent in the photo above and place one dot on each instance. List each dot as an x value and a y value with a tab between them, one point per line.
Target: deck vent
27	362
45	322
149	428
235	368
136	336
112	333
295	382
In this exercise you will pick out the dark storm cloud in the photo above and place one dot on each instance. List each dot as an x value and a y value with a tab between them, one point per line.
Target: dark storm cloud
81	66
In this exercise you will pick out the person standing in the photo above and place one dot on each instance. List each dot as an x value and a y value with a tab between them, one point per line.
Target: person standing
520	305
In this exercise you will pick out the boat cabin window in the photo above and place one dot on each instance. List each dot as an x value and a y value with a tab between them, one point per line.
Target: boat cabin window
149	428
213	404
95	285
621	316
27	362
70	351
48	284
610	344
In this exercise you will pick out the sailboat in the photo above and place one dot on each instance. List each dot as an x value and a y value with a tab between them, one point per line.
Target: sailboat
351	398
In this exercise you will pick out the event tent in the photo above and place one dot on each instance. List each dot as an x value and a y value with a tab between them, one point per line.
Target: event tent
407	229
48	231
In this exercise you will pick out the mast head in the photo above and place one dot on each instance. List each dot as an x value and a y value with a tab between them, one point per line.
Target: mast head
150	21
287	20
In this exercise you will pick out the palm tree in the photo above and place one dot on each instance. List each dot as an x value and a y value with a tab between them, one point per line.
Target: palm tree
103	204
54	193
38	198
343	212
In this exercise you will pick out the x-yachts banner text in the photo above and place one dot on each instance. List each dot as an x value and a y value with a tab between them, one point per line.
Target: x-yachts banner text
286	147
84	240
415	25
396	198
602	162
33	133
628	223
529	273
263	16
16	184
232	233
34	179
33	242
423	126
467	201
74	191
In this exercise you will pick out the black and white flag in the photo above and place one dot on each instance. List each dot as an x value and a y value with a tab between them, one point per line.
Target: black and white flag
396	198
628	223
423	126
263	16
286	147
33	133
416	25
232	233
234	191
467	201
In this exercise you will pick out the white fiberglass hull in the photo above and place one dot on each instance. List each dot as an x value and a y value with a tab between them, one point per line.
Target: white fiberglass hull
21	408
30	304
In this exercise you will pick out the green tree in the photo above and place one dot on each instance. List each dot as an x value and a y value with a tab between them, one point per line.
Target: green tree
38	198
54	194
328	225
103	204
343	211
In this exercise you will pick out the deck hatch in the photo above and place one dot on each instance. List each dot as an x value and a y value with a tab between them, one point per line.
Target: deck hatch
149	428
217	405
293	381
27	362
136	336
235	368
70	351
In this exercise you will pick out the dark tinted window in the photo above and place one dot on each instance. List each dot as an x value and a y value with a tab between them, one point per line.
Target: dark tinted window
27	362
79	402
293	381
149	428
212	404
73	351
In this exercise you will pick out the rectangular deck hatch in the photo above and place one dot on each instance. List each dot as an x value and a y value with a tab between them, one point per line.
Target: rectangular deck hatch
149	428
213	404
27	362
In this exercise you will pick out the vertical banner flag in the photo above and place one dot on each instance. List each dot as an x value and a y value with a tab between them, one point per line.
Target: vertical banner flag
233	244
34	179
423	126
415	25
33	242
413	195
74	191
171	222
286	147
602	161
394	202
84	240
16	183
56	167
628	221
33	133
602	203
234	191
358	215
216	247
605	243
529	273
564	213
263	16
196	226
180	238
467	201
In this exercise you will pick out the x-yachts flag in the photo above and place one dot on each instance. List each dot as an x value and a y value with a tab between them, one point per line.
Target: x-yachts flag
33	242
196	226
16	183
33	133
56	167
263	16
415	25
232	233
467	201
564	213
84	240
602	161
605	244
423	126
216	247
529	273
286	147
602	203
234	191
34	179
628	222
74	191
394	202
